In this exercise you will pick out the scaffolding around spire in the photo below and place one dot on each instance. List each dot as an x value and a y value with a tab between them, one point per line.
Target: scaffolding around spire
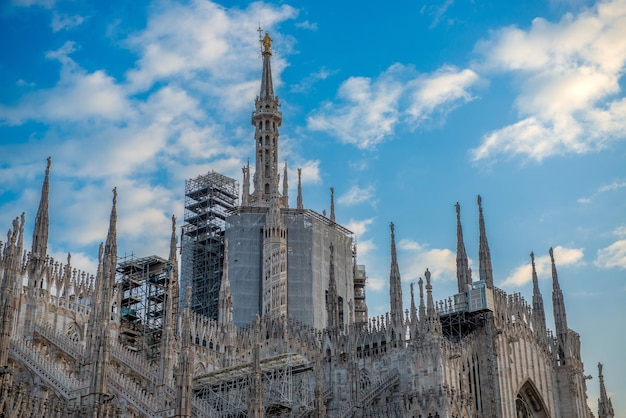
208	199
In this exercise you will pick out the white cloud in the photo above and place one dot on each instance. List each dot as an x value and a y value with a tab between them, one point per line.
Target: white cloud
77	96
416	258
204	41
367	113
376	284
365	248
562	257
620	231
63	22
357	195
307	25
359	227
79	261
569	75
368	110
442	90
612	256
310	172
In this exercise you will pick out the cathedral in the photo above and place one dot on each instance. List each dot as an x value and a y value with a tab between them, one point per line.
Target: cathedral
285	332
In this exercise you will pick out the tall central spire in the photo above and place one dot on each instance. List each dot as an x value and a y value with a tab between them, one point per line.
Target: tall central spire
266	118
267	86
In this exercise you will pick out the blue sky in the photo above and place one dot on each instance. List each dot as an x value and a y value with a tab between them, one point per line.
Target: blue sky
405	110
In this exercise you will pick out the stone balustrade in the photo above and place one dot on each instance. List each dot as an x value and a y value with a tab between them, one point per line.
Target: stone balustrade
66	386
61	340
133	360
147	403
382	384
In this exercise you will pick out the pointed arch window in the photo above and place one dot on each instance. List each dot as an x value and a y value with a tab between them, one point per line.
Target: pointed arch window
521	409
364	380
529	403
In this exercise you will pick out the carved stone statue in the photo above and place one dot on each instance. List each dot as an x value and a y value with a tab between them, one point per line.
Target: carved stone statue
267	43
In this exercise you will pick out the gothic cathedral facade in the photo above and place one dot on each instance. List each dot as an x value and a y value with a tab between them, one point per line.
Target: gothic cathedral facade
292	336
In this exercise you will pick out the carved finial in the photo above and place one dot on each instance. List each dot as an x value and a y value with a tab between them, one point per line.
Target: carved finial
173	240
427	275
555	275
605	405
538	309
332	204
551	252
285	187
299	203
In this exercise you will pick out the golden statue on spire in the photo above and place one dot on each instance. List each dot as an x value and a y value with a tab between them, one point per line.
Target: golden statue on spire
267	43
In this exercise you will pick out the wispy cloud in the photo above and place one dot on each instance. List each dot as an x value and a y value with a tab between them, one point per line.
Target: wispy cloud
613	256
563	256
307	82
436	11
28	3
357	195
367	111
64	22
307	25
620	231
618	184
570	99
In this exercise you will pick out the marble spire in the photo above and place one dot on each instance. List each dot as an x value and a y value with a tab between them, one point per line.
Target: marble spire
395	282
485	270
463	275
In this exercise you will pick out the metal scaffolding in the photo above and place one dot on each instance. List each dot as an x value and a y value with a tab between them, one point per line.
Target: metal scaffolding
360	306
208	198
288	385
143	284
